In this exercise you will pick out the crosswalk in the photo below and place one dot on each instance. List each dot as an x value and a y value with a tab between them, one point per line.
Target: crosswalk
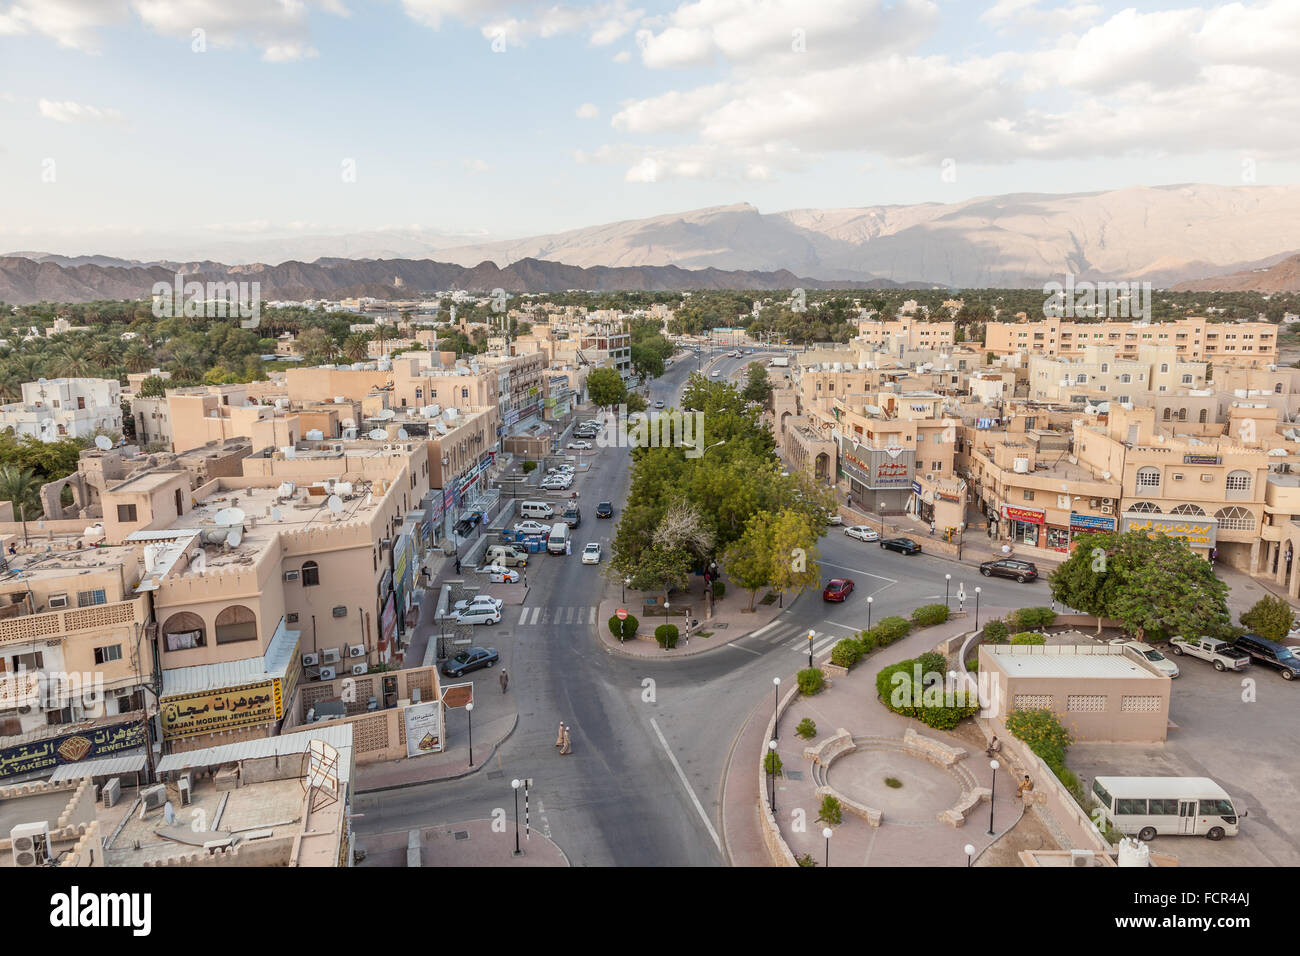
538	615
794	637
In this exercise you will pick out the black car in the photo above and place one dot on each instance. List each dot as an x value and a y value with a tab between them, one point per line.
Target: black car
573	516
901	545
1271	653
466	524
471	660
604	510
1022	571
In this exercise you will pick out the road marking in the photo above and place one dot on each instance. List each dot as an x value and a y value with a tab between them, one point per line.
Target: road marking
592	617
843	567
766	627
845	626
740	647
687	784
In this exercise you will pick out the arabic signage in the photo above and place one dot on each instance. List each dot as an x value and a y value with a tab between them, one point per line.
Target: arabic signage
1197	532
423	728
1091	522
877	468
1027	515
211	711
44	755
1202	460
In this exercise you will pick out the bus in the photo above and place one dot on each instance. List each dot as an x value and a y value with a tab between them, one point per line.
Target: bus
1149	806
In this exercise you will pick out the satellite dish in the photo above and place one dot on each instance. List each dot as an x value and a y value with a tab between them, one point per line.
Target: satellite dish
169	813
384	414
348	423
236	535
334	503
275	514
377	434
229	516
103	442
402	435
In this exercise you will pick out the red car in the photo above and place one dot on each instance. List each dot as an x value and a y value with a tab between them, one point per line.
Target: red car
837	589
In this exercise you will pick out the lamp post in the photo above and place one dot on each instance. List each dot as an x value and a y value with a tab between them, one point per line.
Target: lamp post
516	784
977	608
826	833
776	709
469	714
811	635
771	749
870	601
947	583
882	519
993	792
970	853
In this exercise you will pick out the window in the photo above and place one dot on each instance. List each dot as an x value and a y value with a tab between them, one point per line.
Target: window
1238	481
1093	703
1216	808
1187	510
1130	805
1187	380
1164	808
1105	367
1149	477
108	654
183	631
1235	519
58	600
1166	414
1029	494
1164	368
1139	705
310	574
126	513
91	598
1145	508
1203	417
236	623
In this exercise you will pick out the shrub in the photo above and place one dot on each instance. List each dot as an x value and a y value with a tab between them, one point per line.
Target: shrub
772	763
620	628
719	589
932	662
846	653
666	635
1270	617
995	631
805	860
867	641
1032	618
1042	732
891	629
893	783
935	707
811	681
832	811
530	467
807	728
1028	637
973	665
928	615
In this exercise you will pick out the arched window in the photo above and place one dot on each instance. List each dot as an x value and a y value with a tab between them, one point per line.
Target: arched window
1235	519
310	574
1238	484
1105	367
183	631
1148	477
1164	368
1278	388
1125	379
1145	508
1188	510
1167	413
1204	416
1182	414
236	623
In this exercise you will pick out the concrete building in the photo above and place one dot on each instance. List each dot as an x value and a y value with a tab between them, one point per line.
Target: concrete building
1102	373
65	408
1241	344
909	332
207	413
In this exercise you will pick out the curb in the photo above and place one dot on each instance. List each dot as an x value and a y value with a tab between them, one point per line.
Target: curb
612	647
455	776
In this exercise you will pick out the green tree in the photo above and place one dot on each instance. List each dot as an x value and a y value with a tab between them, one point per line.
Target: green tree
21	486
1270	617
606	388
749	560
794	553
757	387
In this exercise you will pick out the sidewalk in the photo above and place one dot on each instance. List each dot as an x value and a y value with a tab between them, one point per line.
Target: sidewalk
730	622
473	843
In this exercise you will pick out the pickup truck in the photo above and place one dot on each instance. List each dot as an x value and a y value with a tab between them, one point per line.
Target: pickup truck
1221	654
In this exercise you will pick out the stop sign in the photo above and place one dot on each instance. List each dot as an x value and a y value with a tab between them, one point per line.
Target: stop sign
621	613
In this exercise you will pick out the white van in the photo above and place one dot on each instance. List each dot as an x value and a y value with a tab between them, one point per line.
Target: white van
536	509
557	542
506	555
1149	806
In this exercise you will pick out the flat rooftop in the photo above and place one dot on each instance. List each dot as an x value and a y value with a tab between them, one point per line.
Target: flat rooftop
1107	666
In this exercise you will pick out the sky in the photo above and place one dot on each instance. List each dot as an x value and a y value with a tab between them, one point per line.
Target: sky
133	123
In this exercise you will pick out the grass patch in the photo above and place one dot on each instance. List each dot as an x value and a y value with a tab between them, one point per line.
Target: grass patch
893	783
702	634
768	598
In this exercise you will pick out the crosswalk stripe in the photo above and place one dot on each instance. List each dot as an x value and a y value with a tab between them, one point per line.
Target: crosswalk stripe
591	618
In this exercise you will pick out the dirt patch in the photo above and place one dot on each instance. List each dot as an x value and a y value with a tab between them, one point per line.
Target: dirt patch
1028	834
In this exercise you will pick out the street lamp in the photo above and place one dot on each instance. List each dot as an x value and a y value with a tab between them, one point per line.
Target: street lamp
811	635
993	792
870	601
516	784
469	713
771	747
882	518
947	583
826	833
970	853
977	608
776	709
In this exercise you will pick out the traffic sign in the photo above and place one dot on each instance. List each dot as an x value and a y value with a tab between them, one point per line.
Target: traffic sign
621	613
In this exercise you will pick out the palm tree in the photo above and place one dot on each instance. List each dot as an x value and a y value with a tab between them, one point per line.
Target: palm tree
20	486
67	363
137	358
186	367
356	346
103	354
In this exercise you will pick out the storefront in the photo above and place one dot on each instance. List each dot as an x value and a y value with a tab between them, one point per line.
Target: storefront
878	476
1024	524
1200	533
1087	524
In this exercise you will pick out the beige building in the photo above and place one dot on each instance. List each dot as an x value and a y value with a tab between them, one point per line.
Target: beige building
1245	344
1101	373
208	413
911	333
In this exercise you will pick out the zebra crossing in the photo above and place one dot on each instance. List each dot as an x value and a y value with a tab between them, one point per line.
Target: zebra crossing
794	637
539	615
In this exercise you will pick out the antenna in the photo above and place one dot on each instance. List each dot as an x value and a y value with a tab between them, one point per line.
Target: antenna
103	442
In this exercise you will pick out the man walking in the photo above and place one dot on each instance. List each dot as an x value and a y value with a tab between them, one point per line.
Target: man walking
567	744
458	564
505	680
559	736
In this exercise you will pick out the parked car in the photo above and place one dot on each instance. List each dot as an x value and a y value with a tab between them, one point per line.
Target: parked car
901	545
470	660
532	527
714	374
477	614
557	483
591	553
1022	571
498	574
862	533
837	589
659	404
834	518
479	600
1271	653
573	516
1148	653
579	445
1224	656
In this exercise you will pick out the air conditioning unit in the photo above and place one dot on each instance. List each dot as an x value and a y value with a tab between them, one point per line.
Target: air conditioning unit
1107	509
292	575
58	600
310	660
1094	502
327	673
1207	477
1082	858
31	843
154	797
112	792
185	789
1108	502
357	650
360	668
330	655
1178	477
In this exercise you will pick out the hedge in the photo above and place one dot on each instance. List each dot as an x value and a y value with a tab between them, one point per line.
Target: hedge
811	681
891	629
1041	731
616	627
1028	637
666	635
1032	618
846	653
902	695
995	631
928	615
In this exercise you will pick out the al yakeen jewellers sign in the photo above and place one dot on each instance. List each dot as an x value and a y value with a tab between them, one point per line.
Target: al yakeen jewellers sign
1197	532
877	468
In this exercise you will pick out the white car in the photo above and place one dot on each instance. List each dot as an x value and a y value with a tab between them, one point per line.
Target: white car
557	484
1148	653
835	518
714	374
480	600
478	614
862	533
591	553
580	445
532	527
498	574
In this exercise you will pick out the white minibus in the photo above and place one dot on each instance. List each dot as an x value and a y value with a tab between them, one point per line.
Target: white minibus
1149	806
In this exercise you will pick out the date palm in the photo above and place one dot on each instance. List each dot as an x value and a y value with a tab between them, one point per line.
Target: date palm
357	347
137	358
103	354
21	486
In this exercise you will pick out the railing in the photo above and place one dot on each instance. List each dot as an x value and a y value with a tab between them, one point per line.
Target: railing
59	623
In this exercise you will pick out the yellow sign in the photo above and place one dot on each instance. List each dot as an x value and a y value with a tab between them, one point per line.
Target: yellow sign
210	711
1194	532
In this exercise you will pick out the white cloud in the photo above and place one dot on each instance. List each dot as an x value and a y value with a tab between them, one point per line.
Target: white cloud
475	165
623	56
517	21
66	111
1029	15
587	111
71	23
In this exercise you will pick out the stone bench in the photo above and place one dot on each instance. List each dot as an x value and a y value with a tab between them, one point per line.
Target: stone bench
956	815
836	745
935	749
870	814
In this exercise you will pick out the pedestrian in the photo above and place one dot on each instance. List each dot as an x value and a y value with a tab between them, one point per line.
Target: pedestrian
1025	787
505	680
994	747
932	527
559	737
458	564
568	744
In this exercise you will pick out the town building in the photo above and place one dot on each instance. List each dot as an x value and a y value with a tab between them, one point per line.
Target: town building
65	408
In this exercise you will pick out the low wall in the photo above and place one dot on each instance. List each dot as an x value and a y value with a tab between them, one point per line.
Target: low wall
776	846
